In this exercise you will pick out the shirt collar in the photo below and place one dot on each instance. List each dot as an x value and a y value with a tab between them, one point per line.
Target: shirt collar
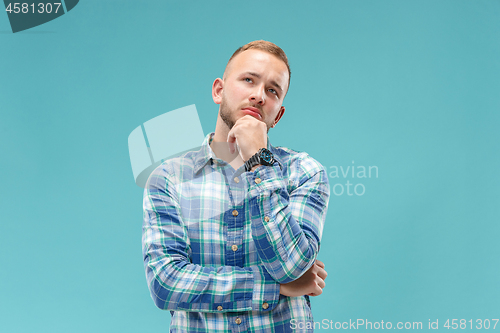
205	154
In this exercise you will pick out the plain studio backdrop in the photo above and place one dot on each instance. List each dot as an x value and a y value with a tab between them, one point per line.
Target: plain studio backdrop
408	88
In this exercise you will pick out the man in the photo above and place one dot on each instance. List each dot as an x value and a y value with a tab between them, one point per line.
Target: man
231	232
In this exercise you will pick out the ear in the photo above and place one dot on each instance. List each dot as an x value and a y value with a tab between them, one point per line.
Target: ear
217	88
279	115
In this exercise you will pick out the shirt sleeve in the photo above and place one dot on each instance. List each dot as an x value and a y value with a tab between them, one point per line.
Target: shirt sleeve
288	214
177	284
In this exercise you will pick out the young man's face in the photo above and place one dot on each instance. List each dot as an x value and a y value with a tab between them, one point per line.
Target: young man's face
255	83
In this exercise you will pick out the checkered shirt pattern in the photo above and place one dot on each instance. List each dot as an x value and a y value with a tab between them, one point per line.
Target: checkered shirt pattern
217	242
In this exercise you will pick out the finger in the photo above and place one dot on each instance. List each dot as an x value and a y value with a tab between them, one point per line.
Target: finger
318	291
321	283
320	264
322	273
231	141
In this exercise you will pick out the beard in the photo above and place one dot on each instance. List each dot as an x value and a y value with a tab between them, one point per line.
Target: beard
227	116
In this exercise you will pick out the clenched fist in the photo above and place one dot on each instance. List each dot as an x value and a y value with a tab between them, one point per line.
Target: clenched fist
250	134
311	283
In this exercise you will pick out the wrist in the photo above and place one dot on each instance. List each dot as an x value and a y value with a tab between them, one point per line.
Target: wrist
262	157
255	167
249	155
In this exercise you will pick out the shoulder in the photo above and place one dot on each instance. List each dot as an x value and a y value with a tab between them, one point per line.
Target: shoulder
175	170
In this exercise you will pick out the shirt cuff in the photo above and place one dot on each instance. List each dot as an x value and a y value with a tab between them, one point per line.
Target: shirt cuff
264	178
266	291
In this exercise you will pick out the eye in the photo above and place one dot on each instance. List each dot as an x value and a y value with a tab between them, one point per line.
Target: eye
273	91
247	79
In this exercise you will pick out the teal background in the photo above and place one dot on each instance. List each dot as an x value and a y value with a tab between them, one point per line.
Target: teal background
411	87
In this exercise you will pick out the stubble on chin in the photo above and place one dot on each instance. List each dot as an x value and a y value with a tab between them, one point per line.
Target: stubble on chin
227	116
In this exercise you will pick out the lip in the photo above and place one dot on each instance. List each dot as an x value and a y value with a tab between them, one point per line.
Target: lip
253	112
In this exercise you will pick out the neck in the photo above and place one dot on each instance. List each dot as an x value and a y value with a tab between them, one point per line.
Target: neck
221	130
220	147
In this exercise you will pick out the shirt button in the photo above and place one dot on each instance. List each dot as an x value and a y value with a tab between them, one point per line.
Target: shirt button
265	305
219	308
257	180
235	212
234	248
237	320
236	180
266	218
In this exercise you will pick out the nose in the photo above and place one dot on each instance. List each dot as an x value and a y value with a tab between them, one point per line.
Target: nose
258	95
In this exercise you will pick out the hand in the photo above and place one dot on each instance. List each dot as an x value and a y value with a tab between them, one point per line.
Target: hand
311	283
250	134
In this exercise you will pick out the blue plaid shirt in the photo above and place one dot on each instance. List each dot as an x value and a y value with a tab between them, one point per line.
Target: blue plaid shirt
217	242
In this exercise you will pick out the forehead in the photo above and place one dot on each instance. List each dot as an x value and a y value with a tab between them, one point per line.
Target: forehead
261	62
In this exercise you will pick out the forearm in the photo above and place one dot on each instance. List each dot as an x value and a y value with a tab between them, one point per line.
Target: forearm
176	283
179	285
287	227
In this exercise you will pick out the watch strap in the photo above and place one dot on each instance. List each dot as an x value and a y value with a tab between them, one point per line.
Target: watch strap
252	161
257	159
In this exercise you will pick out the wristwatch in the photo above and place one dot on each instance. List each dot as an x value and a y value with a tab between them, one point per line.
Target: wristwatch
263	156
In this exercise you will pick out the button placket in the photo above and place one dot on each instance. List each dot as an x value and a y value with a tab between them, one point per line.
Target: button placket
236	193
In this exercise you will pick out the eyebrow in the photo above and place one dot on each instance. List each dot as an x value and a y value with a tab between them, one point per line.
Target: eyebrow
274	83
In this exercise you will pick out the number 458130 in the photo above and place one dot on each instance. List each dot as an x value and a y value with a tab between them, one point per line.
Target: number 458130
30	8
479	324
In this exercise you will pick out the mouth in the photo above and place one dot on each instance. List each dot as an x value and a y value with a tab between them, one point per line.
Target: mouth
254	112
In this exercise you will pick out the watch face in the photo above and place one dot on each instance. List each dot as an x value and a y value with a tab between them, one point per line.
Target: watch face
266	156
